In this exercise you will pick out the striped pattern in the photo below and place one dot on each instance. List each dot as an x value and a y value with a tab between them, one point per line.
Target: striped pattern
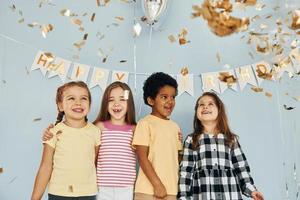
116	165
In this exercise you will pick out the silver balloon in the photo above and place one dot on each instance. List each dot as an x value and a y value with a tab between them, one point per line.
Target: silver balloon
154	10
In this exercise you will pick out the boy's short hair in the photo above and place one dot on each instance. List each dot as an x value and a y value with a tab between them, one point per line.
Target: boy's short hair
155	82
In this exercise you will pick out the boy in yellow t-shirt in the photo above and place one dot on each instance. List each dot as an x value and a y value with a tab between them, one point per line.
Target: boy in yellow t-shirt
156	141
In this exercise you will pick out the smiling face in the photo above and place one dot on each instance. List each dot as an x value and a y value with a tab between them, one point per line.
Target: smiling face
207	110
117	105
164	102
75	103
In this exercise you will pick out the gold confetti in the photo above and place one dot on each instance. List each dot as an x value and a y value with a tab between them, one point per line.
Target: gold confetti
98	2
46	29
268	94
257	89
37	119
297	98
79	45
184	71
182	37
33	24
70	188
76	22
247	2
104	59
172	38
1	170
93	17
119	18
264	74
65	12
295	20
50	57
288	107
218	57
220	22
21	20
227	78
197	11
85	36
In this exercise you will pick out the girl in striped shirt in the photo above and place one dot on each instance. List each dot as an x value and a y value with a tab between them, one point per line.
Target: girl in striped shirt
116	163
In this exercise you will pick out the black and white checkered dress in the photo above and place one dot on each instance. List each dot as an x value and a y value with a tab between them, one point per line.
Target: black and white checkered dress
214	171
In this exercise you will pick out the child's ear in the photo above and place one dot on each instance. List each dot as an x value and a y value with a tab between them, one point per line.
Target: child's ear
60	107
150	101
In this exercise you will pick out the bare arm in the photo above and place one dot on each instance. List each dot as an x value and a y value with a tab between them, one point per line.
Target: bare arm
159	188
44	173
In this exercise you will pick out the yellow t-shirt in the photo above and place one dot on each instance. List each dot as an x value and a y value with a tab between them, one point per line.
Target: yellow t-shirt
161	136
74	172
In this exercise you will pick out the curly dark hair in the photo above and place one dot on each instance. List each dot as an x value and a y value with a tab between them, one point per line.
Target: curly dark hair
155	82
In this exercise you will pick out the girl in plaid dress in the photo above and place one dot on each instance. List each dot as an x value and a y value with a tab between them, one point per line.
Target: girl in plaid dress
213	164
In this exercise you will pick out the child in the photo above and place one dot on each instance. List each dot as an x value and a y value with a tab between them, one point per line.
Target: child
116	164
68	161
156	141
116	161
213	164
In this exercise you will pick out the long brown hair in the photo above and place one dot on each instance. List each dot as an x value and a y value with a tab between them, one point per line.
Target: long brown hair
60	92
104	114
222	122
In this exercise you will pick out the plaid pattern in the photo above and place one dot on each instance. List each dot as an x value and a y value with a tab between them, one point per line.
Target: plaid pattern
214	171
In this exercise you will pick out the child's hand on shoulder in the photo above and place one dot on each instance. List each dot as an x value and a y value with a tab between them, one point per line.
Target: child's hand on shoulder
180	136
257	195
160	191
47	135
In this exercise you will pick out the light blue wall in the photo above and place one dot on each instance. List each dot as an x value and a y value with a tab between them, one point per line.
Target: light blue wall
269	134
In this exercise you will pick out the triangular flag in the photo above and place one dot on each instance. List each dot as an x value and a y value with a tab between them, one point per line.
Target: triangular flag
59	67
120	76
262	71
227	80
210	81
80	72
41	62
245	75
185	84
99	77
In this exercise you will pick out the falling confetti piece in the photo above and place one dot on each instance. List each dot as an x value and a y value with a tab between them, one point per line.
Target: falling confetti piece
268	94
49	56
65	12
172	38
218	57
100	36
104	59
76	22
295	20
70	188
46	29
119	18
4	81
79	45
288	108
12	180
13	8
21	20
1	170
184	71
257	89
37	119
251	55
85	36
123	61
227	78
93	17
297	98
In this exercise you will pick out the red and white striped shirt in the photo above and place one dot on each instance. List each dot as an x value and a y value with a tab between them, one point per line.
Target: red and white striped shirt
116	165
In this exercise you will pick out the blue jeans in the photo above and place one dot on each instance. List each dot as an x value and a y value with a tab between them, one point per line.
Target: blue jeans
55	197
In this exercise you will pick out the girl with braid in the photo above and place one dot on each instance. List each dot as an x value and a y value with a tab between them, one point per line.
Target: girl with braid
213	164
68	161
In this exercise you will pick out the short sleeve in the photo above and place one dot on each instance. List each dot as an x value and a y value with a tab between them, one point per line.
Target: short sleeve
98	137
141	134
53	140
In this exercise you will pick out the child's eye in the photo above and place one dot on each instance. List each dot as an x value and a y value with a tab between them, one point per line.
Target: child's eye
71	98
122	99
84	98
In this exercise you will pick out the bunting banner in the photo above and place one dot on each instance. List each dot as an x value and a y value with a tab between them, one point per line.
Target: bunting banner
80	72
99	78
245	76
185	84
120	76
210	81
219	82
